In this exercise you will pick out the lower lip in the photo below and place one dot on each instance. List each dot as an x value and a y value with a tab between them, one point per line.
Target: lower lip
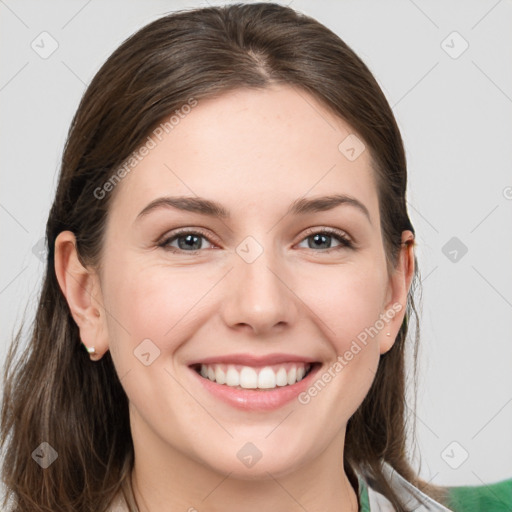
257	399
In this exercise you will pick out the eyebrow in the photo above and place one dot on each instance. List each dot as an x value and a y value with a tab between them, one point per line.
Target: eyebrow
300	206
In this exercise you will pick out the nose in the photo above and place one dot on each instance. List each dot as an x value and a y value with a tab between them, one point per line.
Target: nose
258	295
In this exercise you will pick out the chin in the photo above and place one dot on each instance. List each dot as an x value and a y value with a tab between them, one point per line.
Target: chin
250	464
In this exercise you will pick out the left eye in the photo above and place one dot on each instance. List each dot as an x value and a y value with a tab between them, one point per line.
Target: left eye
325	236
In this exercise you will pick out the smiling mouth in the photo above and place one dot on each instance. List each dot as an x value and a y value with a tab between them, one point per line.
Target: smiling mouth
257	378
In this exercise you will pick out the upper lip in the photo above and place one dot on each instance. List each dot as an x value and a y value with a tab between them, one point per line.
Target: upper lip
252	360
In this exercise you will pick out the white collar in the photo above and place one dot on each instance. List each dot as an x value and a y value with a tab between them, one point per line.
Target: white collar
413	498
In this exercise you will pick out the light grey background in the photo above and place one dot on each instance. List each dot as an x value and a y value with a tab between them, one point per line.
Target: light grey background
455	114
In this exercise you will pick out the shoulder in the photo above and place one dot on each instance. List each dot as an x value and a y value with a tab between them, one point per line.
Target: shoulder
495	497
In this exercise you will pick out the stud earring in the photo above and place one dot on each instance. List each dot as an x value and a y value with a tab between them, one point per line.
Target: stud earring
388	334
90	350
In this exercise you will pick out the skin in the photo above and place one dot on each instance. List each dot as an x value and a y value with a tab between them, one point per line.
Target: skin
254	151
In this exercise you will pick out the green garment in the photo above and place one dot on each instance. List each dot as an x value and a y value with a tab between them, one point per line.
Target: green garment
496	497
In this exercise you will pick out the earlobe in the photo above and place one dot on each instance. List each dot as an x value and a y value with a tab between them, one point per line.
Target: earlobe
398	290
80	287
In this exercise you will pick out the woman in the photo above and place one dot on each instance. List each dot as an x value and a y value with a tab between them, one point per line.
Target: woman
196	346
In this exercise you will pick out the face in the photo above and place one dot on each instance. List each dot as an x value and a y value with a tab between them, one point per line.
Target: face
282	284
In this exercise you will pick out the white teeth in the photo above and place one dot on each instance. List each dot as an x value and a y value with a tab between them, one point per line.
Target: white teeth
247	377
281	377
292	376
232	377
220	376
267	378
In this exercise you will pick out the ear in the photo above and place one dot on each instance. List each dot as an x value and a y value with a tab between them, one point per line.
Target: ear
398	288
81	288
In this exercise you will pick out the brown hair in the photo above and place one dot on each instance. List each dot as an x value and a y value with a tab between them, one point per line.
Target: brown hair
53	393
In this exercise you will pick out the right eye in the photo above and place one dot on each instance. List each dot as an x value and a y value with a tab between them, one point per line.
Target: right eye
186	239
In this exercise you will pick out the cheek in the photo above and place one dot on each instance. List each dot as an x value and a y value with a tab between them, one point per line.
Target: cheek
152	303
348	302
156	302
154	310
347	299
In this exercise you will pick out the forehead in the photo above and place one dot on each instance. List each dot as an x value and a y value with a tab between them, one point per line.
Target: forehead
259	147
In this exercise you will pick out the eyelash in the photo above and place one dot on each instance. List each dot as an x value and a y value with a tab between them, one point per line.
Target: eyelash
345	242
